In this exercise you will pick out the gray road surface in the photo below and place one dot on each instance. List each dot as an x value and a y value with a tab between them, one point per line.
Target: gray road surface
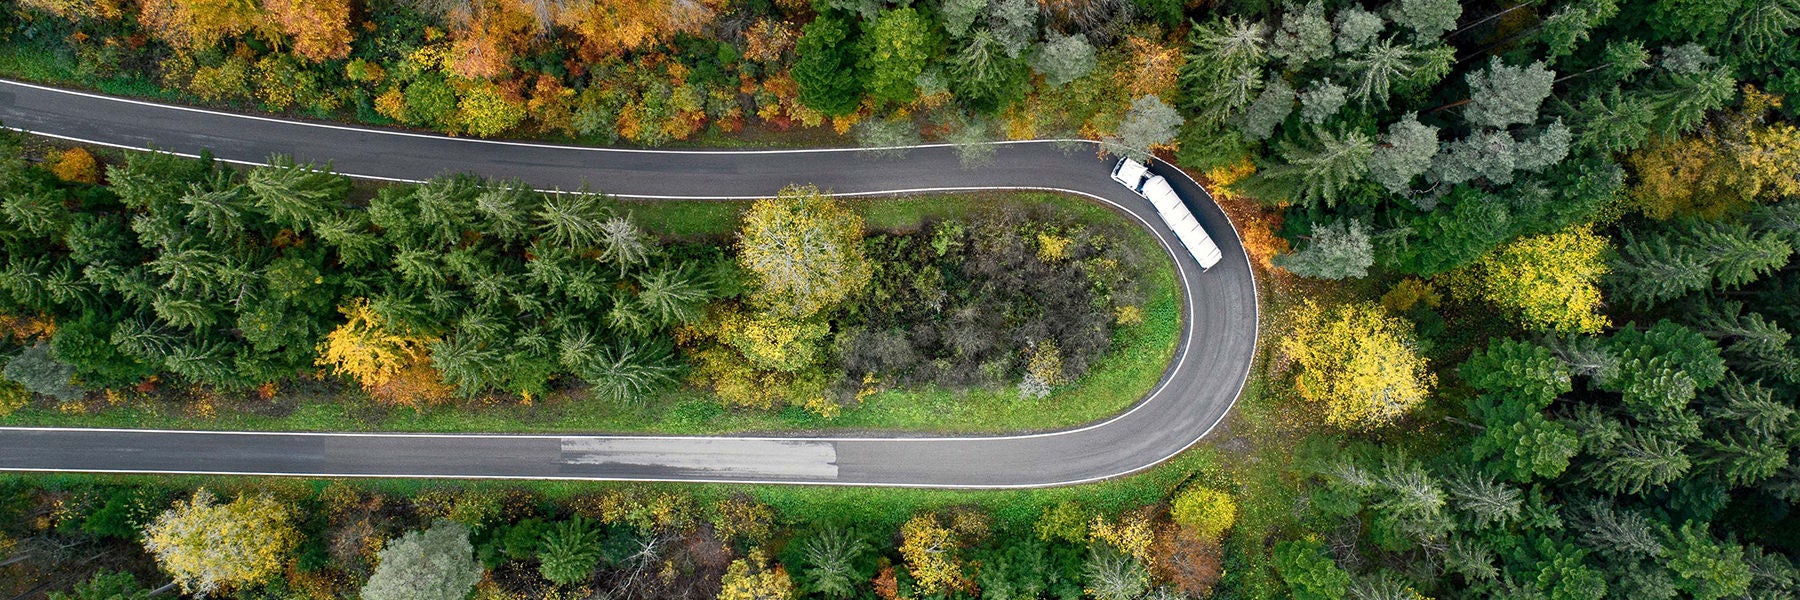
1217	344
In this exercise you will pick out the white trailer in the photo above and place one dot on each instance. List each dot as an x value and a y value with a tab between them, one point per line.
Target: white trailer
1174	213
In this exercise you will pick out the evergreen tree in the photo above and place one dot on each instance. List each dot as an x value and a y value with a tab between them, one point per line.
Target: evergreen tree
435	564
569	551
295	195
824	67
1429	19
1338	251
1503	95
829	560
1378	68
1404	153
1317	171
1063	58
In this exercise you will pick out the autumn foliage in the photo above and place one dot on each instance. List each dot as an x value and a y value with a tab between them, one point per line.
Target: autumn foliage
393	368
78	165
208	547
1550	282
1356	361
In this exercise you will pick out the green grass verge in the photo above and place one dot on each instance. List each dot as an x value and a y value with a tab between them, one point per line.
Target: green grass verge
1126	373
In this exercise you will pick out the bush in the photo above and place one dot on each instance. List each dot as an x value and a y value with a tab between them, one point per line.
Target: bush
76	165
37	369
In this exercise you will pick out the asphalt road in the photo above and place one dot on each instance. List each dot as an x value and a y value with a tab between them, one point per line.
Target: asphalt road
1217	344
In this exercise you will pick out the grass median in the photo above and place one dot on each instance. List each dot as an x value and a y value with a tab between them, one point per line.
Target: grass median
1129	369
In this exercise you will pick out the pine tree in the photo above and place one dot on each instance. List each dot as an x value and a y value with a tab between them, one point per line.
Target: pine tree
1149	125
506	210
294	195
1638	463
671	295
1223	72
1503	95
1756	344
569	551
829	560
1338	250
1270	108
1376	70
1606	528
1482	500
1705	568
1737	255
1305	35
1319	172
1428	19
1063	58
1404	153
573	221
623	243
1653	269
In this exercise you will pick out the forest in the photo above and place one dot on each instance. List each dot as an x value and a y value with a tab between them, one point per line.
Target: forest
1527	270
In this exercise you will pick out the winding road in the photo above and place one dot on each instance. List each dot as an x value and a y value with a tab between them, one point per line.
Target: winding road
1211	364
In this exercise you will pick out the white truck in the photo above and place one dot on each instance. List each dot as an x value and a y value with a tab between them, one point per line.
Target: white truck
1133	174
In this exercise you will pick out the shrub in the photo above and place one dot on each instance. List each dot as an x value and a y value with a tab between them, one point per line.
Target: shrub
38	369
76	165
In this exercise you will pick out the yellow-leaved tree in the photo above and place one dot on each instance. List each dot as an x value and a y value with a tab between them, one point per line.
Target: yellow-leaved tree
208	547
318	29
805	252
191	25
1206	512
1130	534
750	578
1549	282
930	550
1739	157
1358	361
392	367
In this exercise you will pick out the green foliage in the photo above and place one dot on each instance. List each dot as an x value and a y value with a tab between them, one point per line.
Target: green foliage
1063	58
569	551
1405	153
435	564
38	370
1319	169
1150	124
105	585
1704	567
824	67
1337	251
1428	19
829	558
1309	573
897	45
1504	95
983	76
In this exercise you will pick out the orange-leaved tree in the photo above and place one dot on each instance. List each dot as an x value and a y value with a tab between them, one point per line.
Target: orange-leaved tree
318	29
